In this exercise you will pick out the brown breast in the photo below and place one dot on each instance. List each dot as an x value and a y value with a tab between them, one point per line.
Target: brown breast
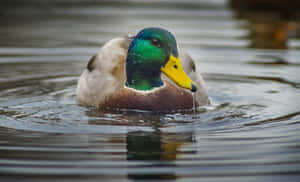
167	99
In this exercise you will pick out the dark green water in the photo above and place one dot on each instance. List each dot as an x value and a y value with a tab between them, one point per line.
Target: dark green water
251	132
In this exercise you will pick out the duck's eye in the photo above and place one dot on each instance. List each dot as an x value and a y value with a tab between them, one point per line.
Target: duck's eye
155	42
175	66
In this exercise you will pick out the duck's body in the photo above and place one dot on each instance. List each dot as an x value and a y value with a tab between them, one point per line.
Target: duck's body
160	100
105	82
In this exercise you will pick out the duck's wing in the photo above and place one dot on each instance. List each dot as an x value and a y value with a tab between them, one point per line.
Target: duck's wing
189	67
104	73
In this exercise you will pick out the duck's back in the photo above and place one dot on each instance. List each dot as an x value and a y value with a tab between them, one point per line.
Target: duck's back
104	74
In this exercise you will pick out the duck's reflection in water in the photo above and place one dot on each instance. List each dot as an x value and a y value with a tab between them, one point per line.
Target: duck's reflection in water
157	149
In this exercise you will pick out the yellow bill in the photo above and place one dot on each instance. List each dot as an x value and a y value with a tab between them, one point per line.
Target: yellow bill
175	72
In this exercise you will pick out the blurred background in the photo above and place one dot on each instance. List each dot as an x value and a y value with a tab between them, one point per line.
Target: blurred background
248	52
265	23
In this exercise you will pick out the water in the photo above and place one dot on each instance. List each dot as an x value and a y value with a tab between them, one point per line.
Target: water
249	133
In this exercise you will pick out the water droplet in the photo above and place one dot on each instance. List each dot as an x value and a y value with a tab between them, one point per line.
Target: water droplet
194	103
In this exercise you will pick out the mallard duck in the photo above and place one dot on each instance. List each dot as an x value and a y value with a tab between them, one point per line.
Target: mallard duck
144	72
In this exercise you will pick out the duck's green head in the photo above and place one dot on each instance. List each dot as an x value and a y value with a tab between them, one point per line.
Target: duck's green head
154	50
